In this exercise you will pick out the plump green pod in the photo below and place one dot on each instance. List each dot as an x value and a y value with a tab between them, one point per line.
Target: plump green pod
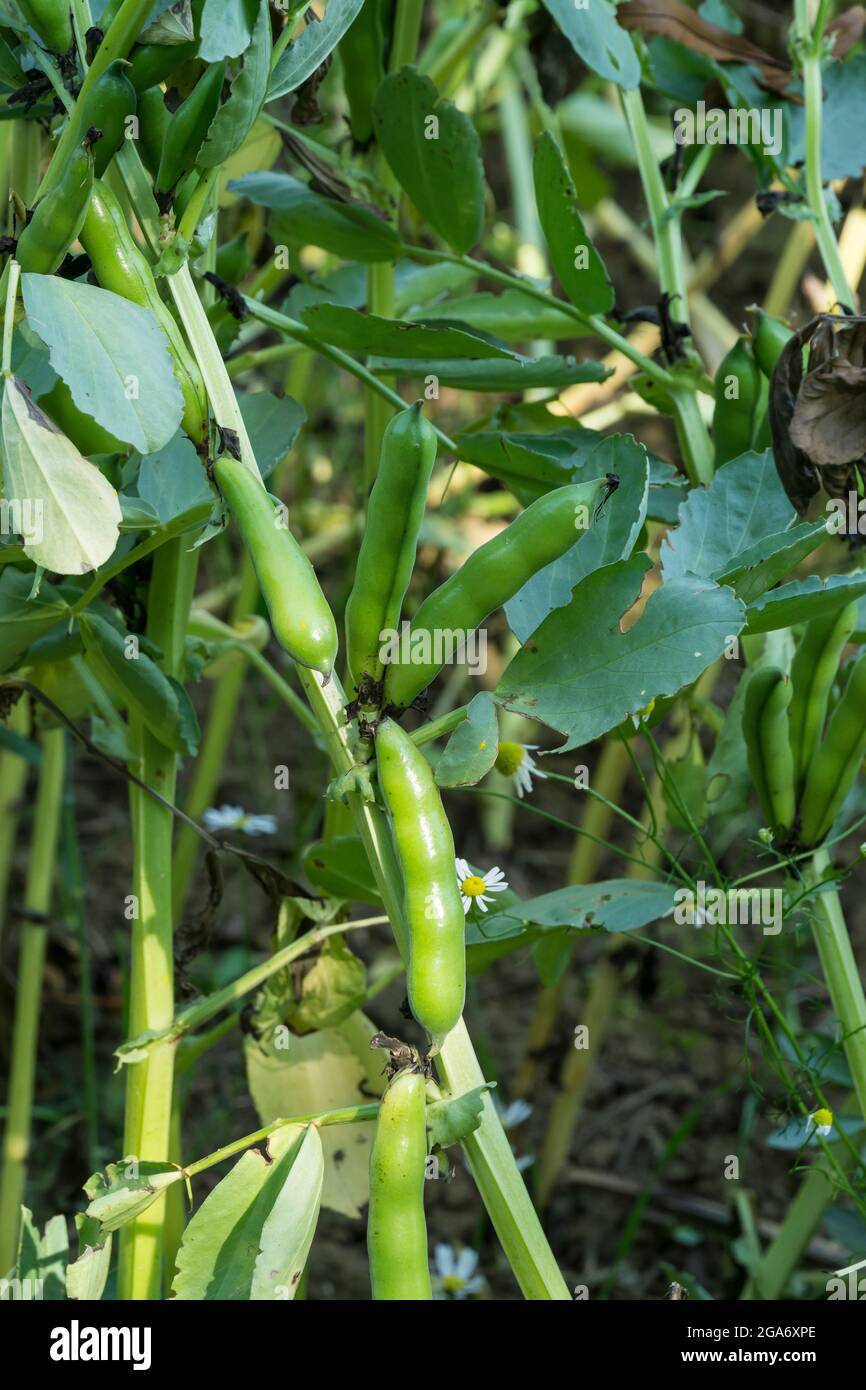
110	102
154	119
121	266
396	1228
490	577
387	555
188	127
435	921
813	672
58	217
153	63
738	393
836	762
769	338
52	21
302	621
768	746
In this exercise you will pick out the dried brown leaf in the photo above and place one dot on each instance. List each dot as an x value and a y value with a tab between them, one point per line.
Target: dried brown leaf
669	20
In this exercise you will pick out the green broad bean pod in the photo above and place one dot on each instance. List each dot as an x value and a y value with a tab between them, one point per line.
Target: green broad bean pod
738	396
434	917
492	575
768	340
109	104
387	555
58	217
51	20
396	1228
813	672
768	746
121	266
188	128
836	762
303	623
154	119
153	63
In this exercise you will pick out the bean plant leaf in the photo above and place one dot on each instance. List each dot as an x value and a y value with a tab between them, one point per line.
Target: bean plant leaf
24	619
744	504
471	750
515	374
126	1190
129	673
581	674
87	1276
513	316
435	154
226	28
617	905
113	356
303	216
340	867
843	139
450	1121
310	49
595	36
250	1238
327	1070
578	266
67	512
41	1264
171	481
272	423
802	600
239	112
609	537
368	333
529	464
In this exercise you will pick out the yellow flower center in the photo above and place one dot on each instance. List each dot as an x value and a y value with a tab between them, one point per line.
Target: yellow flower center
823	1117
473	886
509	758
452	1283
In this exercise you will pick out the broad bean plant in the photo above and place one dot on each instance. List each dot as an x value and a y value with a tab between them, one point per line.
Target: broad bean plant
318	394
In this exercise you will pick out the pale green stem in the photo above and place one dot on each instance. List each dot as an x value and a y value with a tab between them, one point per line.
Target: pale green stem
149	1085
348	1115
810	54
667	234
28	1000
13	780
841	974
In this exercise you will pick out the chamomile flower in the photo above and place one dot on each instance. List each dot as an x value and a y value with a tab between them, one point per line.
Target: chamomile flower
822	1120
475	889
236	818
456	1275
515	760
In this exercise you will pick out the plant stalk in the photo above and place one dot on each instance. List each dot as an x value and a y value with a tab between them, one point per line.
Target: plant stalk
28	1002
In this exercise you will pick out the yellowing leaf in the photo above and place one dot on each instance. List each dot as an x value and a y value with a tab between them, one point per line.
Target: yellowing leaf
69	514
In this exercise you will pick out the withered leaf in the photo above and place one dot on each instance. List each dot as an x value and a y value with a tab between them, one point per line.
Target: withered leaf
669	20
796	474
829	421
847	29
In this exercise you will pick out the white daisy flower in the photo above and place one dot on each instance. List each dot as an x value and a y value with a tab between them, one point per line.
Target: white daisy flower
455	1275
515	760
475	889
236	818
822	1120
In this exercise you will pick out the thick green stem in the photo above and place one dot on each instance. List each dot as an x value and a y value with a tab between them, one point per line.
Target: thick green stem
840	972
809	45
209	764
13	779
28	1002
149	1084
667	234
